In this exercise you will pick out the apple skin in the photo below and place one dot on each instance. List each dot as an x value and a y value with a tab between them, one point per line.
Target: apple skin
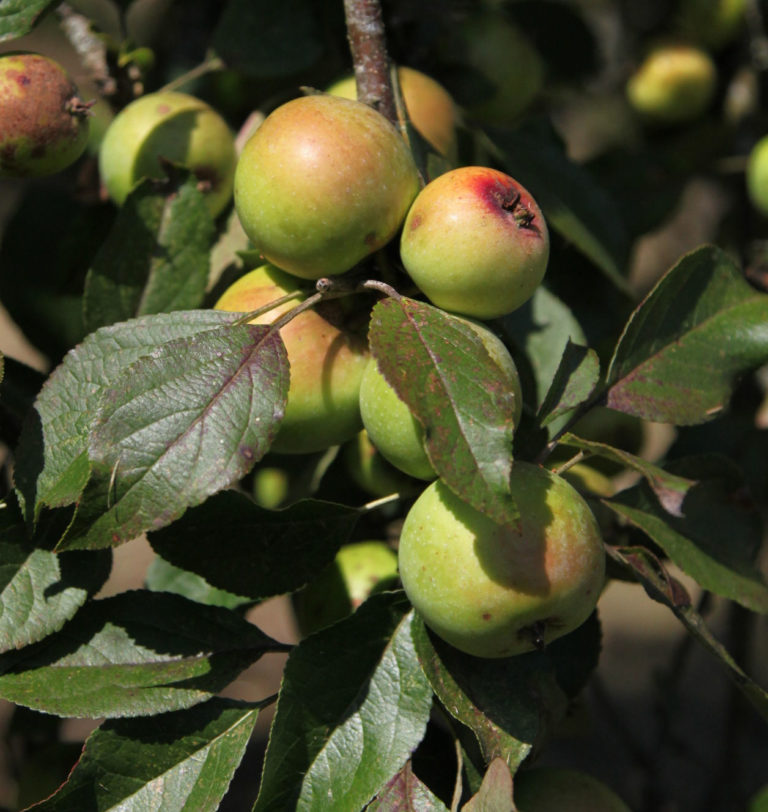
430	107
757	175
340	588
175	126
554	789
327	363
490	590
43	125
475	242
323	183
369	469
396	433
674	84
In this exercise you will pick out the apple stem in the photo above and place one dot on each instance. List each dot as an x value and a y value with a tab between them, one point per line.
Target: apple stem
367	44
374	284
575	460
253	314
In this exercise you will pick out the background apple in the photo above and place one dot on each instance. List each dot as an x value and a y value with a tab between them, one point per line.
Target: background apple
43	124
491	590
174	126
327	363
757	175
475	242
711	23
322	183
556	789
369	469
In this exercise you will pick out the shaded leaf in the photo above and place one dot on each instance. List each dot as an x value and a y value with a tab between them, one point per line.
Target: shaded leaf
134	654
182	424
700	328
495	792
19	17
164	577
352	708
573	383
268	552
174	761
18	388
440	368
170	233
511	704
404	792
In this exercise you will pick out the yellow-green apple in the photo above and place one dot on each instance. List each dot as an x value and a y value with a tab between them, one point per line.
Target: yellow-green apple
322	183
675	83
757	175
43	124
357	571
555	789
494	590
369	469
396	433
430	107
172	126
327	362
475	242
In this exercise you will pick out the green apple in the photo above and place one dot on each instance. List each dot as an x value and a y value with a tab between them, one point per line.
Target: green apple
357	571
430	107
674	84
43	124
327	362
396	433
370	471
174	126
493	590
322	183
475	242
711	23
556	789
757	175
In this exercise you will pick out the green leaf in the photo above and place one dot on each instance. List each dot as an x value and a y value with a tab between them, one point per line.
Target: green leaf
495	792
268	552
183	760
155	259
513	703
52	457
182	424
718	534
135	654
266	40
665	589
39	590
439	367
405	792
164	577
19	17
700	328
352	708
573	202
573	383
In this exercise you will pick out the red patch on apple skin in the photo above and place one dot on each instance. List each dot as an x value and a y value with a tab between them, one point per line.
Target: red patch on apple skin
486	615
415	222
504	196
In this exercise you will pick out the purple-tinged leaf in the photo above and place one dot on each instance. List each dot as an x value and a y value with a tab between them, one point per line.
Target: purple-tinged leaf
495	792
404	792
573	383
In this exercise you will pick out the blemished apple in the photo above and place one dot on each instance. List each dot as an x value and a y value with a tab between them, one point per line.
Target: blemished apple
494	590
430	107
327	362
323	183
757	175
674	84
43	124
357	571
172	126
556	789
396	433
475	242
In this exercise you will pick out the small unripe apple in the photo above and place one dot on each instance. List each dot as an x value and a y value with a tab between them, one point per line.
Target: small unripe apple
327	362
43	124
757	175
430	107
556	789
357	571
494	590
396	433
172	126
369	469
475	242
322	183
674	84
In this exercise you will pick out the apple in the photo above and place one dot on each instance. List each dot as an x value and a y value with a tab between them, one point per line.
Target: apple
327	362
554	789
174	126
323	183
711	23
430	107
357	571
475	242
757	175
370	471
396	433
674	84
493	590
43	124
